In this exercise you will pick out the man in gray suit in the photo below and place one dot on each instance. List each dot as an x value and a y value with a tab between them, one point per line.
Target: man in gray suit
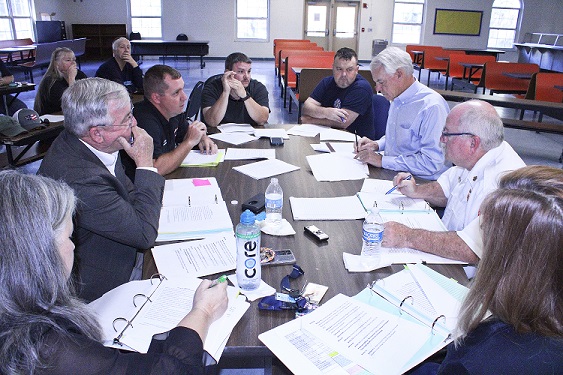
116	220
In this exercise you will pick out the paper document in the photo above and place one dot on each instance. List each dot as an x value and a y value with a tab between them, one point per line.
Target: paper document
191	191
236	128
335	208
209	256
156	306
337	167
344	147
53	118
196	158
347	332
271	133
266	168
306	130
393	202
250	153
233	138
329	134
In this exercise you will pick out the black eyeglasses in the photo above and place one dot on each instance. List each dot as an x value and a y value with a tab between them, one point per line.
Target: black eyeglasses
446	134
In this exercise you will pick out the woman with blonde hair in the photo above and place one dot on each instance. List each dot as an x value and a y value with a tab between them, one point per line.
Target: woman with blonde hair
61	73
511	321
44	328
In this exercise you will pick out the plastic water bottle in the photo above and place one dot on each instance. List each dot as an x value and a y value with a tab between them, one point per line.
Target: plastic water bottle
274	203
249	271
372	234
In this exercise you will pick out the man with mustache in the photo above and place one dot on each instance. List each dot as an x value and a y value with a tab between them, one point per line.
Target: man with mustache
236	97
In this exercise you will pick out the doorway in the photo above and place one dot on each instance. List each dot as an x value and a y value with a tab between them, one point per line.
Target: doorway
332	24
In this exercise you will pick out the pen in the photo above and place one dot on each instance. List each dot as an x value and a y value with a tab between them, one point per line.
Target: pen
220	279
356	134
131	139
395	187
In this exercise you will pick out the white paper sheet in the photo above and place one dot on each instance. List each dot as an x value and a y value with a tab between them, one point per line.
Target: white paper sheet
250	153
334	208
266	168
271	133
197	158
306	130
337	167
329	134
233	138
236	128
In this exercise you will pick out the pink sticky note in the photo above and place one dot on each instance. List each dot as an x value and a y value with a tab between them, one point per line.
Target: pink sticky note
201	182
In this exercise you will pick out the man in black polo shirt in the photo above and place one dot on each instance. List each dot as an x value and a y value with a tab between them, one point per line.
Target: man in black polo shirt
162	115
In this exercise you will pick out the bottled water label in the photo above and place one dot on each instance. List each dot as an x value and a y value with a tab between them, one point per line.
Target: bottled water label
372	237
248	257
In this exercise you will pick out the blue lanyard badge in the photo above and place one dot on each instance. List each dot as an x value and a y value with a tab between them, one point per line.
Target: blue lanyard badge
289	299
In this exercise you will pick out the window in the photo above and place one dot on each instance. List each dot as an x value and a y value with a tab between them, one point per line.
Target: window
16	21
146	18
407	21
253	19
504	20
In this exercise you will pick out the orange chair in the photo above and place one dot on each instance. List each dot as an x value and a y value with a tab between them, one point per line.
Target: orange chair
278	41
321	59
282	55
290	44
436	60
542	87
418	59
494	78
457	71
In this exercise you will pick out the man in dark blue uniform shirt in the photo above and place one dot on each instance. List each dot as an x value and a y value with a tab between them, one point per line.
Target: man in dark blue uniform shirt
343	101
122	68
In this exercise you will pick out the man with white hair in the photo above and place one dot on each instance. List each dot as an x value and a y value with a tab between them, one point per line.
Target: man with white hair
122	67
473	139
116	220
416	117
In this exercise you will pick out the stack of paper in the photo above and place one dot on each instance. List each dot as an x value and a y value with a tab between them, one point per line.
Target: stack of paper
191	209
337	166
196	158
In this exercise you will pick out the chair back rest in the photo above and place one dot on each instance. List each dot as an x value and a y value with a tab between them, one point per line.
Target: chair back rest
317	59
493	76
430	55
289	51
135	36
182	37
368	77
412	47
380	107
43	53
545	87
278	41
79	46
194	103
456	70
300	44
309	79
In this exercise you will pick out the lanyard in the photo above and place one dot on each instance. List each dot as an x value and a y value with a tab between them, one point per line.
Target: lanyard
289	299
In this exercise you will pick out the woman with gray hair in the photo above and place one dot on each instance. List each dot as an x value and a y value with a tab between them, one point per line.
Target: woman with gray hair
61	73
511	321
44	329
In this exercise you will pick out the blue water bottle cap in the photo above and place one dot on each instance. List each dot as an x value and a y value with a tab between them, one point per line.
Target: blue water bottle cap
247	217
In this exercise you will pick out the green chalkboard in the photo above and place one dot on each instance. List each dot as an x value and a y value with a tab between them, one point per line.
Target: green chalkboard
458	22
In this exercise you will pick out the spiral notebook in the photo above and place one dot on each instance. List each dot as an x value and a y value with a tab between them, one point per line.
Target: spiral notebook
133	312
361	334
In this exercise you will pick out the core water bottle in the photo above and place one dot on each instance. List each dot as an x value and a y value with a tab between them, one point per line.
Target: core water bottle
249	272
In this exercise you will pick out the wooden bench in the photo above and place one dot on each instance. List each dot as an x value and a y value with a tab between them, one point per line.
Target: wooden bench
282	56
289	44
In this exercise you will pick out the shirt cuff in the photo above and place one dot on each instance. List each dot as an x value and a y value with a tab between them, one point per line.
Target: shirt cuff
149	169
473	236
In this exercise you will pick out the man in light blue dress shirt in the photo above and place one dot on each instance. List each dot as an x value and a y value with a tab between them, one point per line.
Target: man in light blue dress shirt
416	118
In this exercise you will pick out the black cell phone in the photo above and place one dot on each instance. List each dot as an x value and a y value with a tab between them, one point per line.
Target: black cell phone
255	204
276	141
284	256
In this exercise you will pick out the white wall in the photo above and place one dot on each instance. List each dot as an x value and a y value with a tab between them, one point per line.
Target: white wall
213	20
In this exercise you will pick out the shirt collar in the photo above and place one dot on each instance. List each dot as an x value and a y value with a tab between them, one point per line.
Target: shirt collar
109	160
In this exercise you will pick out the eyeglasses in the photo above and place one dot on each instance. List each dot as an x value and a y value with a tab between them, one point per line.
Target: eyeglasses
128	120
446	134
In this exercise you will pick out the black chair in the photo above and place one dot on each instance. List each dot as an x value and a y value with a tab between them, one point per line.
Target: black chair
380	112
134	36
194	103
182	37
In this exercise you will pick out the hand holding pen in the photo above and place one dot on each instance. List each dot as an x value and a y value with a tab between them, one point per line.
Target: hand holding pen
405	183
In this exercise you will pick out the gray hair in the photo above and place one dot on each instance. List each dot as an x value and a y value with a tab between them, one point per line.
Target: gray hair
85	104
392	58
484	123
37	295
116	42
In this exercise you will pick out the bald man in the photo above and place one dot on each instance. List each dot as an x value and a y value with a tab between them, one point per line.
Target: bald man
473	140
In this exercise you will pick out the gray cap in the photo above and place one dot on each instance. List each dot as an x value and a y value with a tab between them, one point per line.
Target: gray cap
28	119
10	127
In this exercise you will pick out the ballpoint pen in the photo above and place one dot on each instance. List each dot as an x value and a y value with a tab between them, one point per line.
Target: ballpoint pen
220	279
356	134
395	187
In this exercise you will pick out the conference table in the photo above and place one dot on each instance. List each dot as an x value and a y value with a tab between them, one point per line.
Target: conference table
321	261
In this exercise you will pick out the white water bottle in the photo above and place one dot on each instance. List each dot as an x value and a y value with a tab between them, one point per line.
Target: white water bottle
249	271
274	203
372	234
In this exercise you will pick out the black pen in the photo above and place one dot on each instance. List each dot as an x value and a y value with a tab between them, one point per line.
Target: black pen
395	187
356	134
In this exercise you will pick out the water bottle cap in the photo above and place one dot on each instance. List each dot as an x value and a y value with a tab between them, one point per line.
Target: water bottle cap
374	210
274	180
247	217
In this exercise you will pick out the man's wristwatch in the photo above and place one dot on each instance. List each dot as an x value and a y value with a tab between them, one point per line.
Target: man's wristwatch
245	98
